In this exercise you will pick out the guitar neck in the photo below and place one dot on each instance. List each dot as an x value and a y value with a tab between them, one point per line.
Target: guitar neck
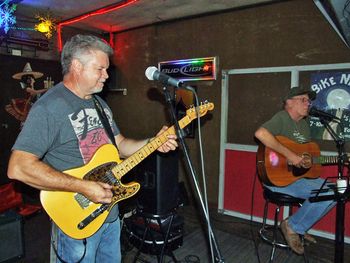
146	150
325	159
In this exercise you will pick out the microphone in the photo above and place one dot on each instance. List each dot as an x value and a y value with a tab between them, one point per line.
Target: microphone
152	73
322	114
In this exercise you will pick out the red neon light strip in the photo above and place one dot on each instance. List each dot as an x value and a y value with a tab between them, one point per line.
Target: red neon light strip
84	16
111	40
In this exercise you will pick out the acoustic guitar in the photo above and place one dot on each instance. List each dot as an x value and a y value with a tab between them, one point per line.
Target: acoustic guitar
274	169
80	218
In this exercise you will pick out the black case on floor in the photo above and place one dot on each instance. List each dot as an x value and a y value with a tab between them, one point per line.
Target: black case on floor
11	237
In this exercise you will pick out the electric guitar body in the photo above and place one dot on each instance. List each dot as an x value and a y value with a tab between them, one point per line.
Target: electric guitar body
68	210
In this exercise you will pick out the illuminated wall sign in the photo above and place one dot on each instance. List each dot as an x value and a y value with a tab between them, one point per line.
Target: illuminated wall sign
190	69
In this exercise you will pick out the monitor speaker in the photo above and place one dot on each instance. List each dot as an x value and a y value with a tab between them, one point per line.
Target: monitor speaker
11	237
158	176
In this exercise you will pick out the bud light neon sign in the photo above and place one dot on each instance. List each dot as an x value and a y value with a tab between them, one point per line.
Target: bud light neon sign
190	69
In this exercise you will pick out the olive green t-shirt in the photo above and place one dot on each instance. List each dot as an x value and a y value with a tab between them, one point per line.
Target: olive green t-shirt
282	124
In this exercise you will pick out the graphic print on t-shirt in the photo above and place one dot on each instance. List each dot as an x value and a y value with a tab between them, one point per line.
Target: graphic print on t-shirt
89	131
300	138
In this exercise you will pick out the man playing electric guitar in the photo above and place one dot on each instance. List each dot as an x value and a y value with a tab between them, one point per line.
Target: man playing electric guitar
292	122
64	130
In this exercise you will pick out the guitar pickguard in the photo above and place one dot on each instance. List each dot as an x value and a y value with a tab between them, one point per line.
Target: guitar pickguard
99	173
103	173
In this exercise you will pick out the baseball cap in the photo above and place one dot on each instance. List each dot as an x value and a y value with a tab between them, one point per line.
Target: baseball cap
296	91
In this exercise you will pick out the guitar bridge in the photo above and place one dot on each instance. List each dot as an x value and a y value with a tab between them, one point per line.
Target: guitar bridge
82	200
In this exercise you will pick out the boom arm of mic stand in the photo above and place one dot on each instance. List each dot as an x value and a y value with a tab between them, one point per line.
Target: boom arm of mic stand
180	135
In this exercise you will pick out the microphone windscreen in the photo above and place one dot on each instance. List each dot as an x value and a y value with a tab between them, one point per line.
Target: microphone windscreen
150	72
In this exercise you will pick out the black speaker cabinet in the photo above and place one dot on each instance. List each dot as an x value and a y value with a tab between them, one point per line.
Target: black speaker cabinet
158	176
11	237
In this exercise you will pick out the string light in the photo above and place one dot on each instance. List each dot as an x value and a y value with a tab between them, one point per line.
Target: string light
22	28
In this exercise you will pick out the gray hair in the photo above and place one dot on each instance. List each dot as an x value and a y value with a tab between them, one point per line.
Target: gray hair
79	46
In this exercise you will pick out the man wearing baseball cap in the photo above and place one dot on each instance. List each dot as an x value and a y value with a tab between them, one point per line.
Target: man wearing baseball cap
293	122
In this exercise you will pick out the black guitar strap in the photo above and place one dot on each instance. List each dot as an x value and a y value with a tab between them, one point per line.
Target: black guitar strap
103	117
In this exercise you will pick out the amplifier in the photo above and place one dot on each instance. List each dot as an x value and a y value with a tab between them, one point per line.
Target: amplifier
11	237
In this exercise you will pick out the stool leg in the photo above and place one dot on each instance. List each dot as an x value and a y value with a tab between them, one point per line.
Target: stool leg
275	229
304	255
263	227
266	208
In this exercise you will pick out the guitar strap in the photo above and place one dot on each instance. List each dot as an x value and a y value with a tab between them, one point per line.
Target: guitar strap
103	117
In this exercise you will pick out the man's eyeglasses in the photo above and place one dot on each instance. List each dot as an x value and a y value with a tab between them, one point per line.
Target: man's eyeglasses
303	100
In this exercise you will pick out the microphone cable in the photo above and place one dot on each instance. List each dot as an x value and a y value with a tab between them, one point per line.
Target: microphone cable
256	246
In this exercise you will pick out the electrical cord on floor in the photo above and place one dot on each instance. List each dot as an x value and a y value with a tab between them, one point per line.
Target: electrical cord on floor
192	259
188	259
251	219
229	221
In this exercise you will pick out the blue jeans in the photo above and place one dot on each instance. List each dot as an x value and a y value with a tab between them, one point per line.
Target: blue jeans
309	213
102	247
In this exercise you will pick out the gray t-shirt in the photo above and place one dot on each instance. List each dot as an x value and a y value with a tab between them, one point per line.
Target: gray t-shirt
64	130
282	124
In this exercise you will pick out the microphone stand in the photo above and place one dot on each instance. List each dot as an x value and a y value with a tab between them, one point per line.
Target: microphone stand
180	136
339	198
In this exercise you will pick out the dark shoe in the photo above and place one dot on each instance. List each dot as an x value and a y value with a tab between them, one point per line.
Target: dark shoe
292	238
310	238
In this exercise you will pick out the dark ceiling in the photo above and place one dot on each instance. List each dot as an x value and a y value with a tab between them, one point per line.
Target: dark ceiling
130	14
136	12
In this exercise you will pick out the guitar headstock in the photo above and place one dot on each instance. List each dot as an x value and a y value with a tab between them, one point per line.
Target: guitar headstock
202	110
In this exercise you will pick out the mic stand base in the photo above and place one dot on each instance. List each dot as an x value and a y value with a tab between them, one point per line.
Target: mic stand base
339	232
